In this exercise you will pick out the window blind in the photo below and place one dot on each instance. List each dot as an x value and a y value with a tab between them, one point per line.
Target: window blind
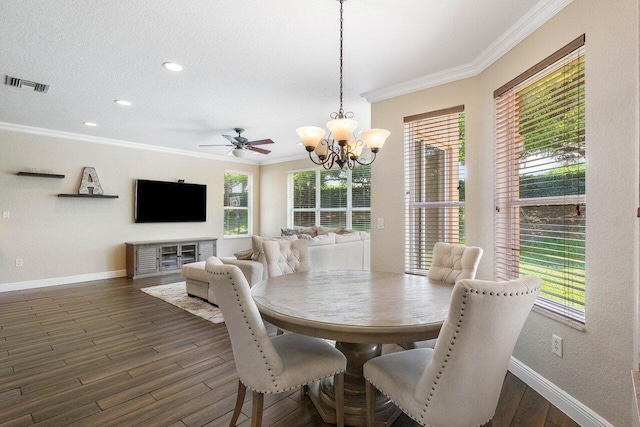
361	198
434	184
540	206
331	198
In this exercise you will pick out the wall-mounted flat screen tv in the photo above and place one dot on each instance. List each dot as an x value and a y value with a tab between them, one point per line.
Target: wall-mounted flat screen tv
160	201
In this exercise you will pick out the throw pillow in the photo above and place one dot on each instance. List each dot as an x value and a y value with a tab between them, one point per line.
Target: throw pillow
289	232
326	230
324	239
311	231
243	254
365	235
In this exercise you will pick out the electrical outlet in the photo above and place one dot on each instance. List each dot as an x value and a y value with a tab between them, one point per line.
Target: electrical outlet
19	262
556	345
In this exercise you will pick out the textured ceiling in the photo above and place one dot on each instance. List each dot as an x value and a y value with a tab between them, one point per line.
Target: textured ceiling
266	65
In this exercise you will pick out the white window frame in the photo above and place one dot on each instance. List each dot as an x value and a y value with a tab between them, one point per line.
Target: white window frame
507	184
248	208
417	253
349	209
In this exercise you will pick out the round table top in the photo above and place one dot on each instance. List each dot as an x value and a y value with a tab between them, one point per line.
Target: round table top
355	306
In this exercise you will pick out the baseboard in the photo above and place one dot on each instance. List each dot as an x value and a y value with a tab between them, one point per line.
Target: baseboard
559	398
32	284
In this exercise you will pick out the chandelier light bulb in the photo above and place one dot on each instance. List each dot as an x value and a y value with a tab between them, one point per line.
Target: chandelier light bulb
310	136
342	129
375	138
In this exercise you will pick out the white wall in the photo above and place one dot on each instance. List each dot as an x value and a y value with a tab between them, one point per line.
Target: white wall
66	237
596	365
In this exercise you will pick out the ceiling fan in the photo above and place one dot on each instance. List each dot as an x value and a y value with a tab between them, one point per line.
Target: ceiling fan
240	144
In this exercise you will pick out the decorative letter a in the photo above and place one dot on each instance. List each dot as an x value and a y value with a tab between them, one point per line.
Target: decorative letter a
90	183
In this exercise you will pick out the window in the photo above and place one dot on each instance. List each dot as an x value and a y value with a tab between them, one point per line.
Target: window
434	184
237	204
331	198
540	180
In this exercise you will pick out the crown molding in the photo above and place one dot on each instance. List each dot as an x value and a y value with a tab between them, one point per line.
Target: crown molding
527	24
119	143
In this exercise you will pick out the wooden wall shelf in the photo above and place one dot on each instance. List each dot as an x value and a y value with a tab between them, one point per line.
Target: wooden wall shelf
90	196
41	175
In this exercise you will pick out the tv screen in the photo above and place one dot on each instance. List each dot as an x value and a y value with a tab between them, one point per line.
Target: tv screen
159	201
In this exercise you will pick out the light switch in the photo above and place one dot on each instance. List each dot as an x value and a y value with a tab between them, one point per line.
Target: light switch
5	214
380	223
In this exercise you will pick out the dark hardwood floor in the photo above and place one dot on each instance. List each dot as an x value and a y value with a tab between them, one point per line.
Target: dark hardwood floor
105	353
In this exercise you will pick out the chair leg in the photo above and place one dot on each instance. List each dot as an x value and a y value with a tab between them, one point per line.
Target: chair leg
338	387
242	389
256	414
371	404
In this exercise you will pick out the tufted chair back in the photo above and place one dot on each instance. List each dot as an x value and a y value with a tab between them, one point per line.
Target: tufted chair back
454	262
257	361
458	383
484	321
285	257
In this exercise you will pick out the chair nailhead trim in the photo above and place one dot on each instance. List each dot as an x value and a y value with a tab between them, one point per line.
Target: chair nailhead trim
255	340
452	344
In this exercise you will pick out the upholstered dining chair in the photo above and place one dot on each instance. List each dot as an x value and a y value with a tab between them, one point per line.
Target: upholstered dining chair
459	382
286	256
449	264
264	364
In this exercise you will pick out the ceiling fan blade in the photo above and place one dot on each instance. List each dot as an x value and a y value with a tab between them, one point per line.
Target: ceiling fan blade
258	150
260	142
216	145
232	139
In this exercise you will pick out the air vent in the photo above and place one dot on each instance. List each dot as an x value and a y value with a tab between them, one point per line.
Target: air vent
16	82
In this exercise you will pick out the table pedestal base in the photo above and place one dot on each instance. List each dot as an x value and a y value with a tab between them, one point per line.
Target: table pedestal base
323	396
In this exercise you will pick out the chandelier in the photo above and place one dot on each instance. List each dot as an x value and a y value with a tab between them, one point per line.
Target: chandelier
341	147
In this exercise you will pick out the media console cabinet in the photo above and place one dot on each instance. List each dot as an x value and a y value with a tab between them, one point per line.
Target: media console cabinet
157	257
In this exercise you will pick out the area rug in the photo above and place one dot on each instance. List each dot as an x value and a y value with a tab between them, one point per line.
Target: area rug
176	294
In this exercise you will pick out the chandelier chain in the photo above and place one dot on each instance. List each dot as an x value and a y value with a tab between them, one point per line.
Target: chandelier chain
341	110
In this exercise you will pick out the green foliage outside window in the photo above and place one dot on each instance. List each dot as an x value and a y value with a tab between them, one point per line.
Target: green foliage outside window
236	204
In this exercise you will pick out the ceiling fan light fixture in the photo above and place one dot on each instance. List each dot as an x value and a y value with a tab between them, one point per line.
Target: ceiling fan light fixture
238	152
341	147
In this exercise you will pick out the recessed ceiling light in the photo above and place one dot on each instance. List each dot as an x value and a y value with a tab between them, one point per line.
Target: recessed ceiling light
172	66
123	102
90	124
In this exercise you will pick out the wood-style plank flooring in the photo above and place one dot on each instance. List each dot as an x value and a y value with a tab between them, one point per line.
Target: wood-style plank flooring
104	353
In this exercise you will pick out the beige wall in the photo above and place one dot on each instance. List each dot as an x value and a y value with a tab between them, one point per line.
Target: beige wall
273	198
63	237
596	363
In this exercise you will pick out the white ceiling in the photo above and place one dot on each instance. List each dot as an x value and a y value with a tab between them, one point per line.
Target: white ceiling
266	65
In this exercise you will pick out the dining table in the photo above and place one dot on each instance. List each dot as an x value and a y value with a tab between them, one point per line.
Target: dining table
360	310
